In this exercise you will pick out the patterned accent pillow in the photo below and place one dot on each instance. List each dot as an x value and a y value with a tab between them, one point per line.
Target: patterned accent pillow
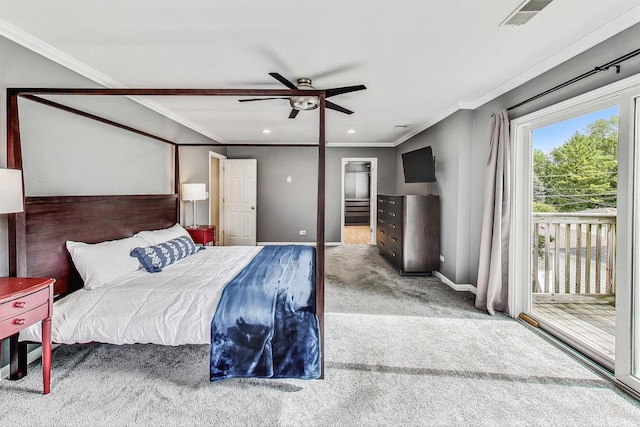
155	258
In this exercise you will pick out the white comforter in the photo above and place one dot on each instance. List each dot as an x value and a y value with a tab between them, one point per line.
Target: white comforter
172	307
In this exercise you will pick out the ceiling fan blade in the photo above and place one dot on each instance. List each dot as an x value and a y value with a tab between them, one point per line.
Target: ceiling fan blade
293	113
340	90
258	99
335	70
330	105
282	80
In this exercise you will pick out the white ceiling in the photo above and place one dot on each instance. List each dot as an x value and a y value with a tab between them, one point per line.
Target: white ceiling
421	60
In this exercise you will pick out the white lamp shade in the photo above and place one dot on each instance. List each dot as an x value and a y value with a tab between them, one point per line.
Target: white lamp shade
194	192
11	191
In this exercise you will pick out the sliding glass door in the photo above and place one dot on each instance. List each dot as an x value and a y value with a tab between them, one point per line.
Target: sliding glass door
574	210
576	226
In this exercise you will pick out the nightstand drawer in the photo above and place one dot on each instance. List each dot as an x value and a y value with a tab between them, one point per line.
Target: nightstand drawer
23	304
23	320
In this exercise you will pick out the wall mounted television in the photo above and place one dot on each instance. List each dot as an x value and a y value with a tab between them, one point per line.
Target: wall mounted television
419	165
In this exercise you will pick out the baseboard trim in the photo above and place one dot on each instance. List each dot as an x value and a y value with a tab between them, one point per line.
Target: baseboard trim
306	243
460	287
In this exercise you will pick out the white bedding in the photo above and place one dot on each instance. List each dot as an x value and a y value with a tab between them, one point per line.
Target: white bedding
172	307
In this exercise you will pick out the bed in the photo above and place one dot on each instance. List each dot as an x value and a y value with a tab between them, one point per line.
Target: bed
231	298
38	236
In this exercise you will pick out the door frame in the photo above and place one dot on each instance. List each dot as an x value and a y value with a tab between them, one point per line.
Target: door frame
373	194
220	227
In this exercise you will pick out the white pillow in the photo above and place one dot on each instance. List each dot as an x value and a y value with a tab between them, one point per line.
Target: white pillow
155	237
101	263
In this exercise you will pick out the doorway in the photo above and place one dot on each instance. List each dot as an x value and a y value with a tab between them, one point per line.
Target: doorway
574	217
359	195
591	247
233	199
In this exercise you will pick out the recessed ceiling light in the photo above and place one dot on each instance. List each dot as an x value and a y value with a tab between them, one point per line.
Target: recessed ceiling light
351	131
400	127
266	131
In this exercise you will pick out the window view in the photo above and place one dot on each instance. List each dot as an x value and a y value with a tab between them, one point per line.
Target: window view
575	176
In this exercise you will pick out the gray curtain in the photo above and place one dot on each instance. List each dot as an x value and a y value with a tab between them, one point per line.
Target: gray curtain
492	286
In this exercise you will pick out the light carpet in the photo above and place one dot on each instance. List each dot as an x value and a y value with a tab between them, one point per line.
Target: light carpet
399	351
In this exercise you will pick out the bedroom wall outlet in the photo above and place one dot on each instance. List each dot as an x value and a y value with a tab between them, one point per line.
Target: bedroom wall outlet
303	232
441	258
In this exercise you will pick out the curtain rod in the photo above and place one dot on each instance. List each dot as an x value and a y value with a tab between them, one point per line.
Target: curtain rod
615	63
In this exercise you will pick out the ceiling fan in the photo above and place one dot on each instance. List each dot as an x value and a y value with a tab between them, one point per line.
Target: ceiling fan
301	102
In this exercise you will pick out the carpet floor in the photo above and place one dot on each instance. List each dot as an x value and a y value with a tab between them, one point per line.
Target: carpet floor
399	351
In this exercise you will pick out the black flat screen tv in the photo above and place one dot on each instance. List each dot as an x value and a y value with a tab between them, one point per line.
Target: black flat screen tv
419	165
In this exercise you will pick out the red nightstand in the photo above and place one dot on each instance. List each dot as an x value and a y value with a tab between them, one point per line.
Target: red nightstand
23	302
203	234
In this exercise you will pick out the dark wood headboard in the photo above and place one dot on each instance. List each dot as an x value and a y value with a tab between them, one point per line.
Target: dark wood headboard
51	221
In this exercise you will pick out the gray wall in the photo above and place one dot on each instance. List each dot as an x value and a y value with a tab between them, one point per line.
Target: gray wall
473	154
285	208
451	142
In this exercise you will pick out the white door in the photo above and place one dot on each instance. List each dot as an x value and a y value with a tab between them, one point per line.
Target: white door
240	185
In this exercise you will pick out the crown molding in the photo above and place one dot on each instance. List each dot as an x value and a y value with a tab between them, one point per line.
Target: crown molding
304	144
361	144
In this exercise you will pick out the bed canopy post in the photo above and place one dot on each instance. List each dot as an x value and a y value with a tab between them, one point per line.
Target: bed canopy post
320	230
176	178
16	221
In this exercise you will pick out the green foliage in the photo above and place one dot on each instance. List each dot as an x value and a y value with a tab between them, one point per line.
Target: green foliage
543	207
581	173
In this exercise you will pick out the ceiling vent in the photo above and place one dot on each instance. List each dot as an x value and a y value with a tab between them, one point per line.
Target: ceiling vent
525	12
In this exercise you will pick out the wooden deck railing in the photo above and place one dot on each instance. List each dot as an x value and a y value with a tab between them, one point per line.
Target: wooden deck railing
574	253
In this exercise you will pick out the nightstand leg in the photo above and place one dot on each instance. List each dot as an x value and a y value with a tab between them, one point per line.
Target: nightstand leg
18	358
46	354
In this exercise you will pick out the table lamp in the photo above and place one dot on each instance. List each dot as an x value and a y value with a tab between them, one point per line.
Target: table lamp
193	193
11	200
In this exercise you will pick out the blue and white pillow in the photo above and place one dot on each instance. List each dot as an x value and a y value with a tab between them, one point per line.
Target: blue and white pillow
155	258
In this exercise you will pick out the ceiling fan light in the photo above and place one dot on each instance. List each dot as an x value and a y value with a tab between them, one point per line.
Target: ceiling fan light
304	102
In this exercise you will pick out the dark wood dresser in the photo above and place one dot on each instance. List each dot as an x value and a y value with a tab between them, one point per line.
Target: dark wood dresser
408	232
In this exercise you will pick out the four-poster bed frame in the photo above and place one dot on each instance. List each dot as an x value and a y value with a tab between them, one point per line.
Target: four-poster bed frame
37	235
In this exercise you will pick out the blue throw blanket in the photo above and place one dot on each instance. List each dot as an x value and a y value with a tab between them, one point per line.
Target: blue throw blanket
265	325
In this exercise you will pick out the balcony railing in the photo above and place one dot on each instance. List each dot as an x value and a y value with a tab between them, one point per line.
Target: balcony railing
574	253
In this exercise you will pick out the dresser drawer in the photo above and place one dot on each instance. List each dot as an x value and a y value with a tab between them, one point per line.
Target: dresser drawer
23	304
23	320
389	246
394	209
390	252
394	227
387	234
